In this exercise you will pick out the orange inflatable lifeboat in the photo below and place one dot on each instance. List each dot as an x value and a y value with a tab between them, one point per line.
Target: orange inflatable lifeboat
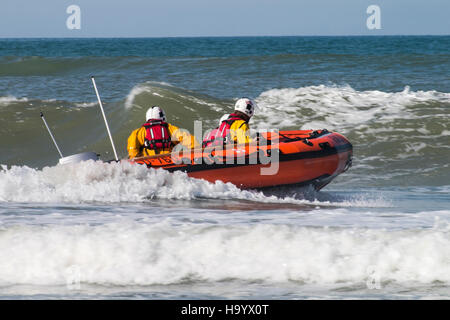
298	157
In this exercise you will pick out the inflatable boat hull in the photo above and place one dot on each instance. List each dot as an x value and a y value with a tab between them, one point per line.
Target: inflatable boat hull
298	157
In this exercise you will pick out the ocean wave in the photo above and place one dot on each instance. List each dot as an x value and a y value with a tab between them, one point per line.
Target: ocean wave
402	135
41	103
130	253
143	94
6	100
399	138
342	107
43	66
95	181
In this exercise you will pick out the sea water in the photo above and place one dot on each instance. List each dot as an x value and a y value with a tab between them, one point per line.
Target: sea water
101	230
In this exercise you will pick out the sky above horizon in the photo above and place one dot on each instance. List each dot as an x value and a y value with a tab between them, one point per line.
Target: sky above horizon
171	18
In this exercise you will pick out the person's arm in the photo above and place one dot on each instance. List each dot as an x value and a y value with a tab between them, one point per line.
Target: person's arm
134	145
183	137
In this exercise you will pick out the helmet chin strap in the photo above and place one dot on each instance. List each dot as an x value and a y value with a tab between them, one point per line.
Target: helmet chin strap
244	115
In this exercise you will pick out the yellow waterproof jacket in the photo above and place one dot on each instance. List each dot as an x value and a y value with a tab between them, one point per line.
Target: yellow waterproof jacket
136	142
239	132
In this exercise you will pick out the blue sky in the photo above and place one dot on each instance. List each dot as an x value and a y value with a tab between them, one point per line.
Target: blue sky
168	18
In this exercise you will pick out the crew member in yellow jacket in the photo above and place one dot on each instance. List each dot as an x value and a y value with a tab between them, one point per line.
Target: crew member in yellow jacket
156	136
237	122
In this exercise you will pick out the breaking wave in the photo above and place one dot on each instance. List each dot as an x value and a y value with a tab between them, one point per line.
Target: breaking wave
130	253
95	181
402	135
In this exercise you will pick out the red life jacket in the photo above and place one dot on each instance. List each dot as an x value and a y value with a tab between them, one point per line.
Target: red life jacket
157	135
208	141
219	135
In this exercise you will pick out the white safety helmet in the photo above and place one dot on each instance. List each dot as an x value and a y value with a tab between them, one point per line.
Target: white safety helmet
224	117
246	106
156	113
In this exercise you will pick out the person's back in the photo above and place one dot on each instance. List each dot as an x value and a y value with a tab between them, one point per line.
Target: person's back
156	136
214	137
238	121
233	129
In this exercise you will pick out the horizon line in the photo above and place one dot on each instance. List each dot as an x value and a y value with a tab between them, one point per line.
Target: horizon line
228	36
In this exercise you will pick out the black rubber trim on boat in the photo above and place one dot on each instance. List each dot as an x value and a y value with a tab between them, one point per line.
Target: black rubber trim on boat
282	158
318	183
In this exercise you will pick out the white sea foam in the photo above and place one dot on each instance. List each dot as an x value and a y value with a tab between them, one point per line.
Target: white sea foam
407	126
147	87
337	107
137	90
130	253
124	182
86	104
181	97
11	99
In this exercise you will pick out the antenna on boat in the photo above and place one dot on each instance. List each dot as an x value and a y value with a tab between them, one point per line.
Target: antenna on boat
51	135
104	117
73	158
